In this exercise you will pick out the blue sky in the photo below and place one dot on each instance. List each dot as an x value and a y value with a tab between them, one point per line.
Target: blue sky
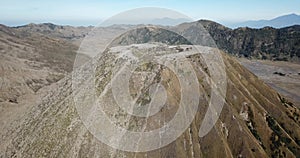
91	12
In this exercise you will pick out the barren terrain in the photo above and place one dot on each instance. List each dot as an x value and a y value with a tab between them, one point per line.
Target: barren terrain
282	76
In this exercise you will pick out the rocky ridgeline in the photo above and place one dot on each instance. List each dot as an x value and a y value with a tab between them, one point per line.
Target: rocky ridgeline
265	43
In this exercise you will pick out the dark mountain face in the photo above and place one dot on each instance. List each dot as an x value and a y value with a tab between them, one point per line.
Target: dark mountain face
266	43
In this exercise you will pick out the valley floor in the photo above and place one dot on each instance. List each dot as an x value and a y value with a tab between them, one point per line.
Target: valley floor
282	76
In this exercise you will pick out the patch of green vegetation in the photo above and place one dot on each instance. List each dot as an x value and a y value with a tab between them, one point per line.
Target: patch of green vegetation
273	125
297	141
285	102
292	111
145	99
278	139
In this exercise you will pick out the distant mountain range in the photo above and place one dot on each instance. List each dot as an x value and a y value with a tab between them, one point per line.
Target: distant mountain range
169	21
279	22
166	21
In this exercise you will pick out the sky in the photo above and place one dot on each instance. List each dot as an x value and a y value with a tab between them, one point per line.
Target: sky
92	12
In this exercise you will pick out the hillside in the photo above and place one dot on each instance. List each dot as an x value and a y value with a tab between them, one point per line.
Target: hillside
29	63
255	121
69	33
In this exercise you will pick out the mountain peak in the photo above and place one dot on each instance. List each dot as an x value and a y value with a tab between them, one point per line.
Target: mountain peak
208	24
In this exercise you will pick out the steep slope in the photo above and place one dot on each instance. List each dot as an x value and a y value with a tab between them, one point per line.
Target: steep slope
255	120
265	43
268	43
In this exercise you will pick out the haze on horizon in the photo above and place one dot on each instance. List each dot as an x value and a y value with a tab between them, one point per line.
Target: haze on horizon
84	13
